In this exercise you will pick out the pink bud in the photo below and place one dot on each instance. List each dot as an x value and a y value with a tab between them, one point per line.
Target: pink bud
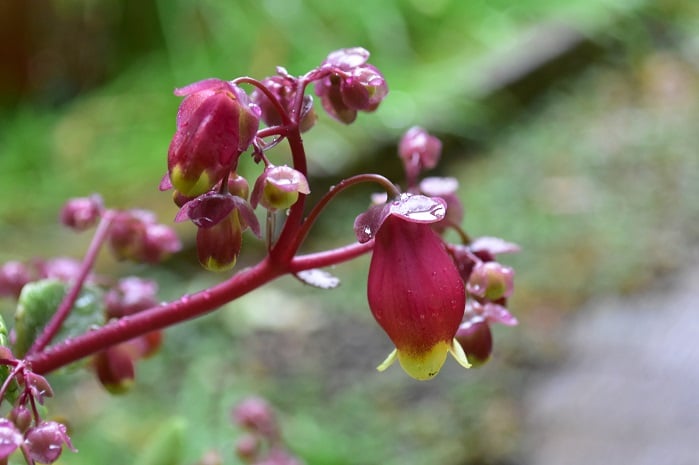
476	339
256	415
10	438
129	296
419	151
115	369
13	276
491	280
82	213
278	188
45	441
215	124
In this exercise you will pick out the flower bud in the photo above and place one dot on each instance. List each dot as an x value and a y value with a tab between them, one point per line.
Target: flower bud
278	188
82	213
354	85
215	124
136	236
248	447
22	417
491	281
129	296
218	246
256	415
115	369
45	441
476	339
10	438
238	186
364	89
13	276
419	151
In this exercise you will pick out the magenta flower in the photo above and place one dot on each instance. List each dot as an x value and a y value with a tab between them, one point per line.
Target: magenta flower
221	219
415	291
353	85
278	188
215	123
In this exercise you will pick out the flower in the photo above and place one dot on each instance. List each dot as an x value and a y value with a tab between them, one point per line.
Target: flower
221	219
278	188
353	85
415	291
419	151
215	123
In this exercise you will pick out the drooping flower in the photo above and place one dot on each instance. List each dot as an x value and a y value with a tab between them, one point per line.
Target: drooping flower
415	291
353	86
278	188
221	219
215	123
419	151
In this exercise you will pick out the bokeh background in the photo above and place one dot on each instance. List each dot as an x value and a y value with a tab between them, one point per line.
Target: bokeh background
571	127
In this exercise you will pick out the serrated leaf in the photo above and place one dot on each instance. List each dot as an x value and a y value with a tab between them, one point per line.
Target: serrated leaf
40	300
318	278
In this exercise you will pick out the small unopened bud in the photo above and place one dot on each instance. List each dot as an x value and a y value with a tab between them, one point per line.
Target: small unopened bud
256	415
248	447
476	339
218	246
45	441
10	438
82	213
419	151
22	417
278	188
13	276
491	280
115	369
135	235
238	186
129	296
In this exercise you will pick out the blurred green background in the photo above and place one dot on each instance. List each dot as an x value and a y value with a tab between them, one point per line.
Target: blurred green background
570	125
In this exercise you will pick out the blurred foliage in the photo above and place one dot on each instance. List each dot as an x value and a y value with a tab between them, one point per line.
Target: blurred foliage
596	178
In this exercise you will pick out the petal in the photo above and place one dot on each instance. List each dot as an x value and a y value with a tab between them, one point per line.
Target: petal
424	365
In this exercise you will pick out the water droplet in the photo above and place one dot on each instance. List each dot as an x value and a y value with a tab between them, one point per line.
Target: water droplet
367	230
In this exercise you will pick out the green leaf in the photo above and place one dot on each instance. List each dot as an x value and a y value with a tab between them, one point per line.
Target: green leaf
40	300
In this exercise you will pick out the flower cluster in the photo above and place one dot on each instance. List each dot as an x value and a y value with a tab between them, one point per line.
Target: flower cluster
217	121
432	298
262	443
39	440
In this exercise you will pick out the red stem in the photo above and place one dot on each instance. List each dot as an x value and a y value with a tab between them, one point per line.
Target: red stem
183	309
54	325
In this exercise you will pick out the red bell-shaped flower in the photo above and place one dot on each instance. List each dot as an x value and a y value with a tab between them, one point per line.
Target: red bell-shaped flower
415	291
215	123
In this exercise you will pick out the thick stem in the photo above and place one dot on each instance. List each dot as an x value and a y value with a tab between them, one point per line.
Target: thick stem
54	325
284	250
153	319
330	257
183	309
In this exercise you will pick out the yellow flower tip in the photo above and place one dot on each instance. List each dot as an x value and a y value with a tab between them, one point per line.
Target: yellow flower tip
187	186
212	264
425	365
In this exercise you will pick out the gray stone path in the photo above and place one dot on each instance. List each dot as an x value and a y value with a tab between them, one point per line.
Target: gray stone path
628	392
